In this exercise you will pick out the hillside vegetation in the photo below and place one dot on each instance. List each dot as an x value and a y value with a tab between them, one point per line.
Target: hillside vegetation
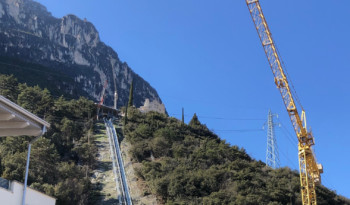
62	159
179	163
188	164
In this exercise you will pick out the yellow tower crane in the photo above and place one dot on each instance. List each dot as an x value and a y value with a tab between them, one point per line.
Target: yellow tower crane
309	169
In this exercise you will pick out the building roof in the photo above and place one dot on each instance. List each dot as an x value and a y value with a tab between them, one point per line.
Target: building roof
16	121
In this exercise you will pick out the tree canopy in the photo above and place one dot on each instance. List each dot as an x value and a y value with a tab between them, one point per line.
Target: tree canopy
62	157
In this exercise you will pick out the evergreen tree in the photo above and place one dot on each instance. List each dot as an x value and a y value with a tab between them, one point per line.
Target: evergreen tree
131	94
126	115
194	121
35	100
9	87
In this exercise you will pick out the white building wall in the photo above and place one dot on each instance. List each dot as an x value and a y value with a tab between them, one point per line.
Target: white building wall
13	196
152	106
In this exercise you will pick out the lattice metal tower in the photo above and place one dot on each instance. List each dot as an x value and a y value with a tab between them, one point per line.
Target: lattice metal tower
272	156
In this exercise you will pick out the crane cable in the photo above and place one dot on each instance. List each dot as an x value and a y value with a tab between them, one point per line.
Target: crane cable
287	75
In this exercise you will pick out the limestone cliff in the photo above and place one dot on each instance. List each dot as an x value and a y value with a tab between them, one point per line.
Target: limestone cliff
71	46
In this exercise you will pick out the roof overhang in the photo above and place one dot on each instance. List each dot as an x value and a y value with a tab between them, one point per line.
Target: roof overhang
16	121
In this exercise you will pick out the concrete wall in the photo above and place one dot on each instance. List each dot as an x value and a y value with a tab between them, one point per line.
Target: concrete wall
152	106
13	196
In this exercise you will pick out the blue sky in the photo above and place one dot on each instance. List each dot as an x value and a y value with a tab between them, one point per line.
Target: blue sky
206	56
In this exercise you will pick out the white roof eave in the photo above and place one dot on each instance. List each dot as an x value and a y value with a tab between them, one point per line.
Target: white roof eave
16	121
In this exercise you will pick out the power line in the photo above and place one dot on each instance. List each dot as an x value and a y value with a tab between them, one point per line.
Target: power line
238	119
223	118
325	179
290	79
288	159
288	135
240	130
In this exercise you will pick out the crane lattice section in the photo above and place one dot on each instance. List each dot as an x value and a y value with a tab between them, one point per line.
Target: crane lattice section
309	170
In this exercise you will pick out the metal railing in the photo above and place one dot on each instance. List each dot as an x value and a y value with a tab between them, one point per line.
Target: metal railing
117	178
118	165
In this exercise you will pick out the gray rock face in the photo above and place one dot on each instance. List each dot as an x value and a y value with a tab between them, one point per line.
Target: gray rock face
72	45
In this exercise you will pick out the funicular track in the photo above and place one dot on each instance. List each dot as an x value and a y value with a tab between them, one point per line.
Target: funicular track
122	188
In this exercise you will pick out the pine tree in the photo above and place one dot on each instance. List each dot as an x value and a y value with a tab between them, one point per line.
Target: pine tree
9	87
194	121
126	115
131	94
35	100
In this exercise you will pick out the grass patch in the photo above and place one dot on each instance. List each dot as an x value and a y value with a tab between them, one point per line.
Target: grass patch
100	132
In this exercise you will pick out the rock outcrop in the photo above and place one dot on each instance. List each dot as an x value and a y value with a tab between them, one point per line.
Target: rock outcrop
71	45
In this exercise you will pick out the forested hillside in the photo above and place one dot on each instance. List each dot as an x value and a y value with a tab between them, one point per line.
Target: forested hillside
179	163
62	159
188	164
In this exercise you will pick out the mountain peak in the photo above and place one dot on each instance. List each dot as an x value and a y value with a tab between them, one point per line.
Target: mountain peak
70	45
82	30
22	9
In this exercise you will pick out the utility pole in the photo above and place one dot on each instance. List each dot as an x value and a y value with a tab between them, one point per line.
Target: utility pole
183	116
102	98
27	165
115	90
115	99
272	156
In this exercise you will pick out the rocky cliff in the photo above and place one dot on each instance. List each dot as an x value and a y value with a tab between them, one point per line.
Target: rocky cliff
71	46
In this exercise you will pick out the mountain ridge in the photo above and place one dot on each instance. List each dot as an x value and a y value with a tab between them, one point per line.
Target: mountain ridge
28	31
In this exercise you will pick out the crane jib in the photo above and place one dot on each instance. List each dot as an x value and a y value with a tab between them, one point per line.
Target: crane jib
308	167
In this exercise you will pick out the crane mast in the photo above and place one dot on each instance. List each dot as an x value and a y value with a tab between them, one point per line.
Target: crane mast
102	98
309	169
